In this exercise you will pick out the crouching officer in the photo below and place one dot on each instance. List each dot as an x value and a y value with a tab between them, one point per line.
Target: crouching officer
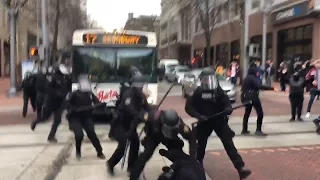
163	128
133	104
79	106
29	92
207	100
184	167
57	90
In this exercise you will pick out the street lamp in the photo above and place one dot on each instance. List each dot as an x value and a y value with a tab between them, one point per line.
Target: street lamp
266	9
13	13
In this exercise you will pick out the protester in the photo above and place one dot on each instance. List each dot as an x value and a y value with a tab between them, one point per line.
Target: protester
313	74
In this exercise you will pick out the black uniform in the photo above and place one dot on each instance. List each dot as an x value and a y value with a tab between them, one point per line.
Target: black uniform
207	100
29	93
184	167
250	92
159	131
130	110
41	83
296	96
80	119
57	90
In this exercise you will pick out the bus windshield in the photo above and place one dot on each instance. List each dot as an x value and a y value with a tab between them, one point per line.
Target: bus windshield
111	65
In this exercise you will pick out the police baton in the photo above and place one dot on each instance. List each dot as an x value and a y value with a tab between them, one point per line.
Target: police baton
125	154
233	108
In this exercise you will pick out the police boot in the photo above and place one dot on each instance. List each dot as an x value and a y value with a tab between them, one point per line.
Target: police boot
52	140
110	169
78	155
244	173
33	125
100	155
316	122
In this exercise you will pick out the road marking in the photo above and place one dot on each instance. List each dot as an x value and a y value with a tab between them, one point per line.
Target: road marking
215	153
245	152
269	150
295	149
281	149
308	148
257	151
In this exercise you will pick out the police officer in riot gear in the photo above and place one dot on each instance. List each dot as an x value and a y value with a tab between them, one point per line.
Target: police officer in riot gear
57	90
41	83
163	127
79	106
29	92
207	100
130	110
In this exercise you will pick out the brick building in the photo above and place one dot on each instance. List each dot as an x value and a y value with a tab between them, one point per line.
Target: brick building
293	32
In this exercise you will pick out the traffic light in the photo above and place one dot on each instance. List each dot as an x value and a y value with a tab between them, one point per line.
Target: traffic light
34	52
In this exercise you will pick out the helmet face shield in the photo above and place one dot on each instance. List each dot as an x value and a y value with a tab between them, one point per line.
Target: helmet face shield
209	82
170	131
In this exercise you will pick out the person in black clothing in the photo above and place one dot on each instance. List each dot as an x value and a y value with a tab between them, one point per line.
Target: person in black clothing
184	167
79	106
305	69
132	106
296	96
54	102
29	92
41	83
250	92
163	128
209	99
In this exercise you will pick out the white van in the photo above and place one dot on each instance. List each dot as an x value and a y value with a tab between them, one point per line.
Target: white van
168	64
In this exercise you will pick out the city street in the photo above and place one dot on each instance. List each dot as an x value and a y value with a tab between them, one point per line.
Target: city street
289	152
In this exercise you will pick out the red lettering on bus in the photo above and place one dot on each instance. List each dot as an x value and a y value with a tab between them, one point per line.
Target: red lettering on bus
106	95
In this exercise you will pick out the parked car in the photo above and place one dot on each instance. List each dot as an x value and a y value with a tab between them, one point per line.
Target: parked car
177	74
191	81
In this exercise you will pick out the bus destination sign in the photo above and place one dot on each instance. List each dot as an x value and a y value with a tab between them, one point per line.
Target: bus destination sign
105	38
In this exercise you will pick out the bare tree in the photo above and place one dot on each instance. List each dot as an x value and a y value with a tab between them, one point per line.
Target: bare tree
208	13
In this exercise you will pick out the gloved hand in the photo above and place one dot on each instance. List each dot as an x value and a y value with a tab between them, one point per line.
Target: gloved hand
203	118
229	111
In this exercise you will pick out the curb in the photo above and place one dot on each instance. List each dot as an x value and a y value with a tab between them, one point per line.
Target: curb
59	161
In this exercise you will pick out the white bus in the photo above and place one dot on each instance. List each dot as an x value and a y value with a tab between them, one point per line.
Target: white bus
107	57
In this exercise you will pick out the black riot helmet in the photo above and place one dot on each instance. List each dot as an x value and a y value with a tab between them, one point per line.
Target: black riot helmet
138	82
296	76
170	123
208	79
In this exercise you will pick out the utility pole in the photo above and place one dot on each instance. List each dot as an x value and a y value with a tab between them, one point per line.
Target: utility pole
13	13
247	8
45	36
266	8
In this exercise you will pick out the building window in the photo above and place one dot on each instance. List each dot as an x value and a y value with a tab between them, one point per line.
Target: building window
255	4
307	32
234	9
217	16
299	33
291	35
225	12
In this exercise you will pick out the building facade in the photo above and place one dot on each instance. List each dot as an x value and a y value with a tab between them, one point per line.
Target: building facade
293	32
142	23
175	31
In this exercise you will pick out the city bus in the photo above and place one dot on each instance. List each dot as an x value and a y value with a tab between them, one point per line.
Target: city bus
106	57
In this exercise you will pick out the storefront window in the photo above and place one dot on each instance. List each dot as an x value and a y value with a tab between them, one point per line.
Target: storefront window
299	33
290	35
307	32
307	49
289	51
298	49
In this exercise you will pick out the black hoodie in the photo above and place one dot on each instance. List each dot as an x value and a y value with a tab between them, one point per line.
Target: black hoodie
251	83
